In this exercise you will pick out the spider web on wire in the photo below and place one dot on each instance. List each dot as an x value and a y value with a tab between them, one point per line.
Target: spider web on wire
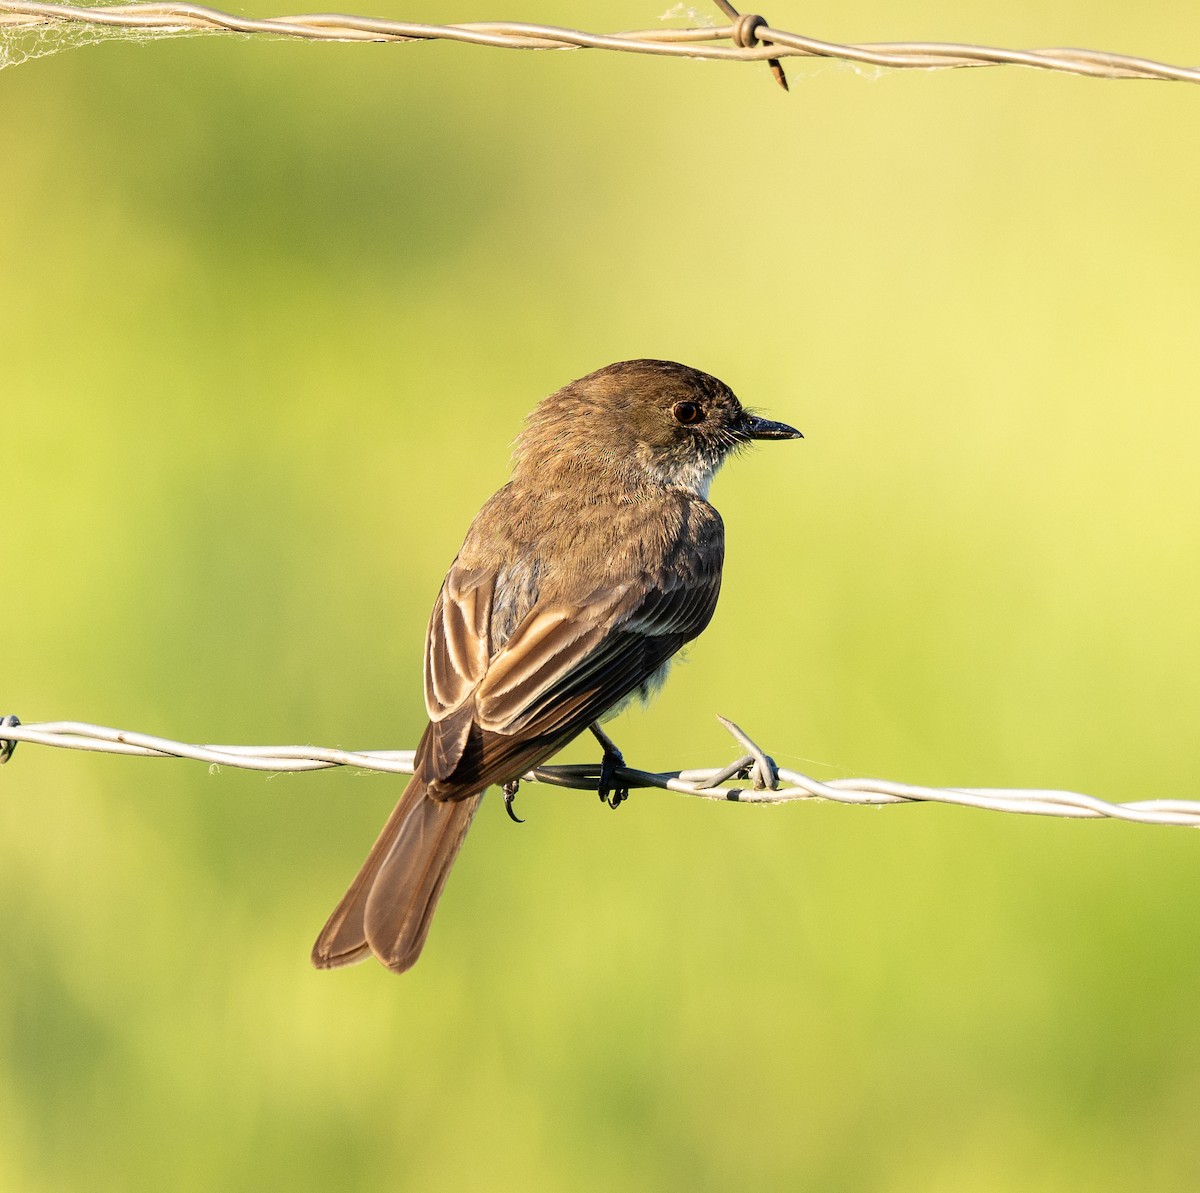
32	29
22	40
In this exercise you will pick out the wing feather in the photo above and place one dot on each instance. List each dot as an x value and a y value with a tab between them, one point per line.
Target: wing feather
564	666
458	643
540	649
603	649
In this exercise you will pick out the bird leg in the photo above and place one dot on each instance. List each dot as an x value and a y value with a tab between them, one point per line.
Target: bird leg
510	790
612	761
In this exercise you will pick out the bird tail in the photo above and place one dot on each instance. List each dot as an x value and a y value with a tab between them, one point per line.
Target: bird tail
390	904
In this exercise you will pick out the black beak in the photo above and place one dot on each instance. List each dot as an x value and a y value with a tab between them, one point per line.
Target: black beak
754	427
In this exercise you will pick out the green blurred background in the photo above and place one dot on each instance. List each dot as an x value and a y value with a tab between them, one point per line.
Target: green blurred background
270	317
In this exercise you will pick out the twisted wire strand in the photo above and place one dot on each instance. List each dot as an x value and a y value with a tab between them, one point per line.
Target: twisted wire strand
769	784
749	38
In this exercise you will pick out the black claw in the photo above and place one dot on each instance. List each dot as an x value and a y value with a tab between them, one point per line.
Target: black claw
610	793
510	790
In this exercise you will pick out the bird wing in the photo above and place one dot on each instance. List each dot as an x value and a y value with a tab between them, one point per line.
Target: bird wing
570	661
567	662
458	643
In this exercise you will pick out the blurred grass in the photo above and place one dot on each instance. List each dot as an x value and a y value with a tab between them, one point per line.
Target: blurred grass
271	316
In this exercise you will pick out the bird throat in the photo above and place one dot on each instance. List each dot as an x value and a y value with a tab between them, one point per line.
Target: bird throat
695	475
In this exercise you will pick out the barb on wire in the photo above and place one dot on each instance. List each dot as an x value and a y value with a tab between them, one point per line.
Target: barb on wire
769	784
749	39
745	36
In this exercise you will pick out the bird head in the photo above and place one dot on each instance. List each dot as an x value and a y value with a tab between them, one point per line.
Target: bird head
647	421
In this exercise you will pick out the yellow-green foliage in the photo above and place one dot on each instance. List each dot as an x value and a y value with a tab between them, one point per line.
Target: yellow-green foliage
270	316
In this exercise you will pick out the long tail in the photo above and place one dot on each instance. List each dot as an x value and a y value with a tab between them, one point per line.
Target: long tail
389	906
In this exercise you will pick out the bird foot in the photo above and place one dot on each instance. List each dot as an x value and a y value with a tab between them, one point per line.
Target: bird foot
611	793
510	790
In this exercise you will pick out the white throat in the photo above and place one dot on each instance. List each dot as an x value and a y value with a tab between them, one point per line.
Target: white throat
696	477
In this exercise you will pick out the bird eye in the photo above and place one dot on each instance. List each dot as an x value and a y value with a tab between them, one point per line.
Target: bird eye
686	413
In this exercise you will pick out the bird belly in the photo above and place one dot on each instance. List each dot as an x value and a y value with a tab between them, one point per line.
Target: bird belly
644	692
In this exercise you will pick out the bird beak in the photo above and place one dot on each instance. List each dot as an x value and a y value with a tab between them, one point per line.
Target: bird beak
754	427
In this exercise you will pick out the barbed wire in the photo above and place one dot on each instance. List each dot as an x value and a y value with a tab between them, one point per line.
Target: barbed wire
770	784
748	38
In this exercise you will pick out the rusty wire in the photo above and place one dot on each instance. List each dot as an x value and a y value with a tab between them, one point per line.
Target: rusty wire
769	784
747	38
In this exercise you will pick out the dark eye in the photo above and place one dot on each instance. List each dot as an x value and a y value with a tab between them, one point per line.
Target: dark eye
687	413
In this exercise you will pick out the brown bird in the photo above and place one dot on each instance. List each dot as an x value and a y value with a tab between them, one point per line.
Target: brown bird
576	584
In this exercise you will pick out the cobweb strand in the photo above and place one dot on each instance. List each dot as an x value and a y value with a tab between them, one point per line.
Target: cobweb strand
33	29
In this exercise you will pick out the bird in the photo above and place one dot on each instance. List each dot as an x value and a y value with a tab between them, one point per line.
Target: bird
576	584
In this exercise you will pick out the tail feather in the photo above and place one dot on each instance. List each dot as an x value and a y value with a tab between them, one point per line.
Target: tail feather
399	908
389	906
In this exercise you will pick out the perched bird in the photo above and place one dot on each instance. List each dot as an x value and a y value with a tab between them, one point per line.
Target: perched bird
576	584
